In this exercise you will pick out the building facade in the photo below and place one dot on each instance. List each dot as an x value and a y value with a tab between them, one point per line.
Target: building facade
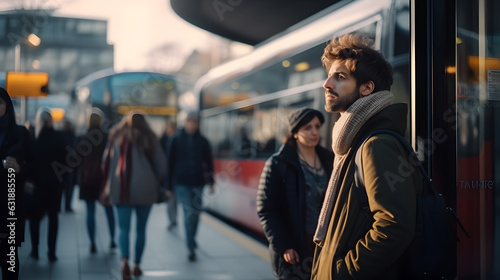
68	48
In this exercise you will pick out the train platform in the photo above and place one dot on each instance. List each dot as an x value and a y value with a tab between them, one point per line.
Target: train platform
223	254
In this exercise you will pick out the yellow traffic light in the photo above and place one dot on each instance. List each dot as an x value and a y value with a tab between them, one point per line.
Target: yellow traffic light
27	84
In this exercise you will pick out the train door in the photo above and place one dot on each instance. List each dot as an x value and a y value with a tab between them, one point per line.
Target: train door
456	89
478	137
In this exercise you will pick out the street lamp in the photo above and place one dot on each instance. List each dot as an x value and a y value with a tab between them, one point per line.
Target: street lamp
34	41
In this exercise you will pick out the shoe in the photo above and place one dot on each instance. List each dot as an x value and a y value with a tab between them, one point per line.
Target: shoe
171	226
52	257
112	245
192	257
93	249
137	271
126	272
34	254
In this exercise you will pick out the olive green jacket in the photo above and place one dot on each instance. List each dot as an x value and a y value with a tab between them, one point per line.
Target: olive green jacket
360	245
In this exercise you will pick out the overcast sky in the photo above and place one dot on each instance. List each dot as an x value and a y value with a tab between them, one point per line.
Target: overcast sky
136	27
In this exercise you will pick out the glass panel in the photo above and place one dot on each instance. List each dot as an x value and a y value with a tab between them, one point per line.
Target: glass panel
216	129
288	72
478	137
144	89
265	129
243	145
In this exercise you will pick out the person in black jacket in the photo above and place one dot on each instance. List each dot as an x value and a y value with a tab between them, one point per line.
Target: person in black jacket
190	168
290	195
91	178
49	167
15	153
171	201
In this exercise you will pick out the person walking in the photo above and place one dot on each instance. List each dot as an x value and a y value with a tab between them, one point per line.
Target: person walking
68	131
291	192
354	243
48	168
134	167
171	201
91	178
15	153
190	168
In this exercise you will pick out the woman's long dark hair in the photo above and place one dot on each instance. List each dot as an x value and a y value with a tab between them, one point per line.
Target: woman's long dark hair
136	129
9	110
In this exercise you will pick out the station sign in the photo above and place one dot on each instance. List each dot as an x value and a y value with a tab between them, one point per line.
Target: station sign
27	84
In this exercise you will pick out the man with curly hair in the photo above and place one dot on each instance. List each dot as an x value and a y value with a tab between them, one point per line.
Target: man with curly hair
353	243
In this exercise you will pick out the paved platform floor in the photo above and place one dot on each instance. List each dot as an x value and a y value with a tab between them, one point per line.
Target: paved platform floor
223	253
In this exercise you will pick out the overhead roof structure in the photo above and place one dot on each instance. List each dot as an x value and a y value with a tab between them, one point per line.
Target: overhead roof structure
247	21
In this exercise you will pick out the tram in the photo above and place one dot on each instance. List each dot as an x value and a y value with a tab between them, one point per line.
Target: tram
118	93
445	56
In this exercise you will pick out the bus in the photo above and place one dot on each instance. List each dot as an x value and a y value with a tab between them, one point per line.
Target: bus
445	57
244	104
118	93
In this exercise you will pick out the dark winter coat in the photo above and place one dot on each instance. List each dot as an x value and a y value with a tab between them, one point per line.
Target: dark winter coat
189	165
49	166
90	176
361	246
15	141
281	206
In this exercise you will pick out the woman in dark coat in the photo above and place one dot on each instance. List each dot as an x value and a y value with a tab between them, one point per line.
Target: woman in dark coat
290	195
91	178
49	167
15	153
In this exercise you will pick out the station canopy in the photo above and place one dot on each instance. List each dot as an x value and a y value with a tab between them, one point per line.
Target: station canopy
247	21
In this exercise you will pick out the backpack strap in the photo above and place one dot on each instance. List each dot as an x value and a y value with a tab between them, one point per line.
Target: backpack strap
360	182
359	179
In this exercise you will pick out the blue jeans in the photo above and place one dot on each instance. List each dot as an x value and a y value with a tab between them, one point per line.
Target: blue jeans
172	210
91	220
124	216
190	198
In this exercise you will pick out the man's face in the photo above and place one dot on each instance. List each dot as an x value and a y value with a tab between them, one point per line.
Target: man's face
340	88
191	126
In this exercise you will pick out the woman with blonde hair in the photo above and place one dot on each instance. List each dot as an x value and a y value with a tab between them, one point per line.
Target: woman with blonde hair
133	166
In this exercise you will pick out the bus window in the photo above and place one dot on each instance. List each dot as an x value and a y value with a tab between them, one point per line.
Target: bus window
216	129
265	129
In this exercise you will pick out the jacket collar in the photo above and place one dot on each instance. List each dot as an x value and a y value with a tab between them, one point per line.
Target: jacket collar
394	117
289	154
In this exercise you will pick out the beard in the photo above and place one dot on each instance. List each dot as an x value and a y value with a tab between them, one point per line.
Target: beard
341	104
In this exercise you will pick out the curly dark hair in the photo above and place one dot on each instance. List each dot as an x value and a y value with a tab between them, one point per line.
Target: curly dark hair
360	57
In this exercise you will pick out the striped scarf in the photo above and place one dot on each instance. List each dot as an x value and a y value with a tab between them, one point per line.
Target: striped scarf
344	131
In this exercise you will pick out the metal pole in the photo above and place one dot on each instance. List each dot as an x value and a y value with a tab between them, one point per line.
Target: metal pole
17	68
17	57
